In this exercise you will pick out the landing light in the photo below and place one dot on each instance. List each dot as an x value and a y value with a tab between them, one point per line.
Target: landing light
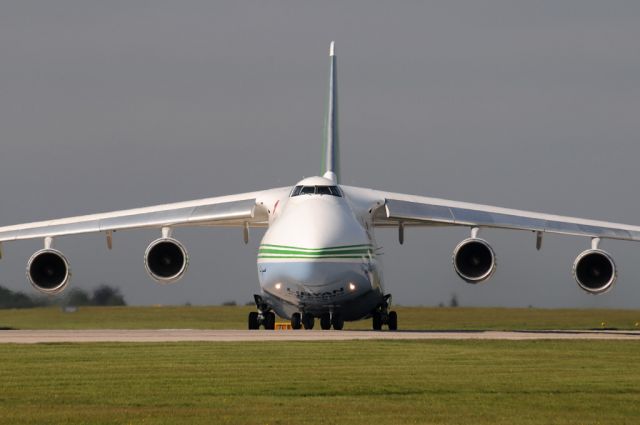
278	286
352	287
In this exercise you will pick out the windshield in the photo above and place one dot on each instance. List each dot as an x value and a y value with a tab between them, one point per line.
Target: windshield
316	190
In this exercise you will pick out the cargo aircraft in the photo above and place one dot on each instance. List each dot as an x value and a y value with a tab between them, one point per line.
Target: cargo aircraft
319	258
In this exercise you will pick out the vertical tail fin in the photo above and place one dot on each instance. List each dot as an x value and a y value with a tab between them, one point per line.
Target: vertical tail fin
331	152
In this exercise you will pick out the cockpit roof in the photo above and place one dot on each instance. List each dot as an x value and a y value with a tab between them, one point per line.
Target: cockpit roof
315	181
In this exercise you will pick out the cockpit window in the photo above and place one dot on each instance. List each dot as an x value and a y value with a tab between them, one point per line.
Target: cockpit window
317	190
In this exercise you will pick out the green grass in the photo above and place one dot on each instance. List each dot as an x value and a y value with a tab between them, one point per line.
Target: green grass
357	382
417	318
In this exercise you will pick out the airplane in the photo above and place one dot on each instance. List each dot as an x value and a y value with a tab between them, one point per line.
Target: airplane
319	258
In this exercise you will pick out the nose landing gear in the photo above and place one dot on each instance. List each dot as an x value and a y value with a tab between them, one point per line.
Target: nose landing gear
296	321
308	321
328	320
337	321
325	321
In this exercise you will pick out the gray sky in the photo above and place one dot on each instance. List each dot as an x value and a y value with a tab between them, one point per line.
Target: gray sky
532	105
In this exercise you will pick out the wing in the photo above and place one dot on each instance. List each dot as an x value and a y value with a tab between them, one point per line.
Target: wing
391	209
234	210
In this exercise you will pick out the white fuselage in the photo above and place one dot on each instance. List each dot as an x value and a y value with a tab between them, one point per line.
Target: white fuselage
318	256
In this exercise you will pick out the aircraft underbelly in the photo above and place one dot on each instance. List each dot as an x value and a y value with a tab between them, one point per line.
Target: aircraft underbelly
349	287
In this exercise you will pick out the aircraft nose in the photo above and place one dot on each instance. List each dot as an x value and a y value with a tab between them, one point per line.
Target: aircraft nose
317	224
316	243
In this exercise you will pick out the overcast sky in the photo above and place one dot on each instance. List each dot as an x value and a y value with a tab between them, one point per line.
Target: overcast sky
531	105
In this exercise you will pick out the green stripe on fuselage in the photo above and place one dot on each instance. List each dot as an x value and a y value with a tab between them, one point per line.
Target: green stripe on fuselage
270	251
315	253
328	248
311	257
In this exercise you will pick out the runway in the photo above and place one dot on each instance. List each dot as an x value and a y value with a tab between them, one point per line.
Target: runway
184	335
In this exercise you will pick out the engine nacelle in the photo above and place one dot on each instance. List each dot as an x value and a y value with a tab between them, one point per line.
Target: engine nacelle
166	260
595	271
48	271
474	260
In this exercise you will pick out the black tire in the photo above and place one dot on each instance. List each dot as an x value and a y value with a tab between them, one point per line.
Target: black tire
325	321
393	321
253	320
376	318
308	321
337	322
296	321
270	321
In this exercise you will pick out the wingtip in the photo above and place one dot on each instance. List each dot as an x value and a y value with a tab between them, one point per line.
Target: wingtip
332	48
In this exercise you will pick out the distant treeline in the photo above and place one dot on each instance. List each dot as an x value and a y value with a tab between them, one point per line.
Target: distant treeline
103	295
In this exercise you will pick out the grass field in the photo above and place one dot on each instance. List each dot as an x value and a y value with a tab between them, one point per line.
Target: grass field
355	382
415	318
358	382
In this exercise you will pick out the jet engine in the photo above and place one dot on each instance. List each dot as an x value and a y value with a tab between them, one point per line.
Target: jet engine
166	260
474	260
595	271
48	271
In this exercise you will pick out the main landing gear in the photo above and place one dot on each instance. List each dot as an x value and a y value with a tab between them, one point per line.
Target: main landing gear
382	316
266	319
263	317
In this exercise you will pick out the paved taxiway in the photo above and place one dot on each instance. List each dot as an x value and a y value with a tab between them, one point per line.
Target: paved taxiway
179	335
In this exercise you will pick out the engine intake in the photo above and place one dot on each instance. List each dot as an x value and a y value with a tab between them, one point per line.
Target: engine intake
166	260
48	271
595	271
474	260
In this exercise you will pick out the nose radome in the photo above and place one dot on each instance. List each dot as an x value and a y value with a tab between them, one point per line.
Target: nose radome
316	224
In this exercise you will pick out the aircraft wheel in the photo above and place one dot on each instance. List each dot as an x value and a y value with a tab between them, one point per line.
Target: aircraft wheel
308	321
337	322
325	321
270	321
393	321
377	320
253	320
296	321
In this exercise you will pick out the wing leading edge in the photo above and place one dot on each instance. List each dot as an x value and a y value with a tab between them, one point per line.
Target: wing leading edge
234	210
410	210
